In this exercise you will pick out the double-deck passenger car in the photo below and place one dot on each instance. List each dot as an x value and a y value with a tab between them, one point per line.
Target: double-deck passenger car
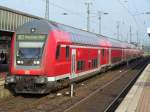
46	55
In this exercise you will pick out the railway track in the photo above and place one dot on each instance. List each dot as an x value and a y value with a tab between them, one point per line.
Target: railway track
108	99
119	98
53	103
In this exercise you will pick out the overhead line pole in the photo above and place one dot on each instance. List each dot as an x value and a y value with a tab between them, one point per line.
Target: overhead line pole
88	15
47	10
130	34
118	29
137	33
100	13
99	18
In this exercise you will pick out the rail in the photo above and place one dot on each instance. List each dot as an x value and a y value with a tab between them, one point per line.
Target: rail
119	98
63	103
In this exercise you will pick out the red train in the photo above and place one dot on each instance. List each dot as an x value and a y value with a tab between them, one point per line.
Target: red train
46	55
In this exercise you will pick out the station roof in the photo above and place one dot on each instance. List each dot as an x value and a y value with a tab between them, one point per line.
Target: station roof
19	12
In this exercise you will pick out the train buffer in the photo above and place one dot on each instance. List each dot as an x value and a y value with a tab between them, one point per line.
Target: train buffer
138	98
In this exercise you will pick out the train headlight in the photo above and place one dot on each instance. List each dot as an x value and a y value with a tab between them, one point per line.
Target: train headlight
21	62
36	62
18	62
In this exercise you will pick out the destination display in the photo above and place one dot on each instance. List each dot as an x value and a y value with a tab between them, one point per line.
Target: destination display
31	37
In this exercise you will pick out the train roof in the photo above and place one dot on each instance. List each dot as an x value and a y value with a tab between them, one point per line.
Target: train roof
77	35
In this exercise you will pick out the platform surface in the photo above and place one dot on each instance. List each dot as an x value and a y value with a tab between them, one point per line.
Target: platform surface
138	98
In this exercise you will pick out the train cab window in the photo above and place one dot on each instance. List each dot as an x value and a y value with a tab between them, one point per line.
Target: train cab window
103	52
58	52
67	51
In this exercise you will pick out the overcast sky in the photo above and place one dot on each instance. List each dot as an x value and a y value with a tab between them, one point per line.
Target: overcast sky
125	12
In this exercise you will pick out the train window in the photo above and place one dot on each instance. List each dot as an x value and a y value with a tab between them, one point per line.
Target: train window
83	65
103	52
80	65
58	51
67	51
94	63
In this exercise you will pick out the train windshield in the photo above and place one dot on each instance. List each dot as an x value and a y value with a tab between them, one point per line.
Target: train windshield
29	51
30	46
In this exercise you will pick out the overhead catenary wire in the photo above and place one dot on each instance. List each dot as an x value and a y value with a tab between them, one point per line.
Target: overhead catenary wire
138	17
65	9
134	5
78	14
138	31
130	13
139	26
71	12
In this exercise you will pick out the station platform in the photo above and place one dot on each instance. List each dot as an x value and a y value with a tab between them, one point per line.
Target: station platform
138	98
4	93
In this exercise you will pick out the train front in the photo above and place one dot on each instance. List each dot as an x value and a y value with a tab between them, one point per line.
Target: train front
26	68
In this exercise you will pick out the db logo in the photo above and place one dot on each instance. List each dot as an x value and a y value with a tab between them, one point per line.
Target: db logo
27	72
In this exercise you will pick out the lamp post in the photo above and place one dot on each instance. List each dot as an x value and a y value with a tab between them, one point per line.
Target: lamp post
118	29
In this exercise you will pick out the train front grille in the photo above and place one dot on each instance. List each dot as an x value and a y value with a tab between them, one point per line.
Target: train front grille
28	83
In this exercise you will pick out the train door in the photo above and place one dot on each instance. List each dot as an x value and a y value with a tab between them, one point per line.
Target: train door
73	63
109	56
99	60
122	54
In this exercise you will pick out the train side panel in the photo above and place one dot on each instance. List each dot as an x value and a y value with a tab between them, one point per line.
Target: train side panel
116	55
58	55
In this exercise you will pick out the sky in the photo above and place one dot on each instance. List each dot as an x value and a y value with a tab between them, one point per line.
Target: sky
127	14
